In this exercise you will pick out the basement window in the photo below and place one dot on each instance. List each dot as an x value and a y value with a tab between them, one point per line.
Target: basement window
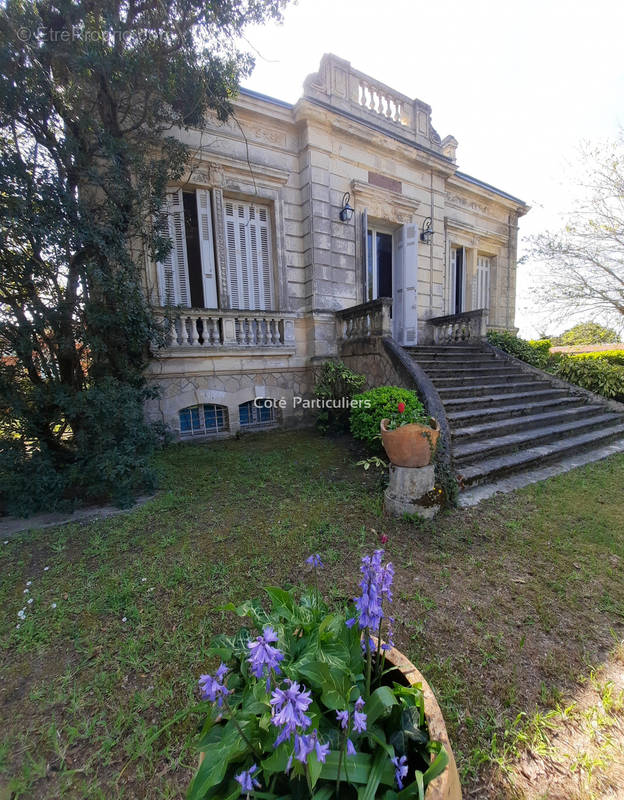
203	420
256	413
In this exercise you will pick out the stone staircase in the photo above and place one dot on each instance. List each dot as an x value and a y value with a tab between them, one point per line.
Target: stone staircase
507	422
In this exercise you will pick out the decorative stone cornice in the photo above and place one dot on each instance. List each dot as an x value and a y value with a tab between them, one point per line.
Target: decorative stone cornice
384	203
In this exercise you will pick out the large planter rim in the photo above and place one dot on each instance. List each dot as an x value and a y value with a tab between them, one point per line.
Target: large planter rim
446	786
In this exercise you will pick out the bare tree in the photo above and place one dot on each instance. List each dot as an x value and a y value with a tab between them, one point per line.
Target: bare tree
584	263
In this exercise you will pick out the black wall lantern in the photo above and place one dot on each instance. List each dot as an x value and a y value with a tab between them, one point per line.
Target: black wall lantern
346	213
426	235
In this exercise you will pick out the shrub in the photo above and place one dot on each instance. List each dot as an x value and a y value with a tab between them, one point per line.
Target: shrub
377	404
587	333
611	356
535	352
596	375
335	384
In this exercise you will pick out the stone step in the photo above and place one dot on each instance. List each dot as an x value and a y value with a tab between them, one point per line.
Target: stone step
477	362
445	348
529	437
473	433
443	373
483	414
501	399
488	469
514	386
479	380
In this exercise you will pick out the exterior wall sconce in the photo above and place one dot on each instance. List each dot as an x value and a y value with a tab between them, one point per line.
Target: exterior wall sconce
426	235
346	213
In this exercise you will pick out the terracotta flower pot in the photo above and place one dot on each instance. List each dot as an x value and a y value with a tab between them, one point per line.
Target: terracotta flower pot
446	786
410	445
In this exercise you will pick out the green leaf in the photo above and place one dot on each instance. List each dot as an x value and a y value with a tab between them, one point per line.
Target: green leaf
282	601
324	793
375	776
416	789
314	769
335	684
278	759
379	704
355	769
438	765
221	745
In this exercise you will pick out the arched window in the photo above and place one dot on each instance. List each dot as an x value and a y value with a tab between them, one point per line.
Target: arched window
256	413
203	420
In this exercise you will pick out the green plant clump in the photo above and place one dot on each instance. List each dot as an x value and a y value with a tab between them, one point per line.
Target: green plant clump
535	352
335	386
596	375
306	705
370	407
611	356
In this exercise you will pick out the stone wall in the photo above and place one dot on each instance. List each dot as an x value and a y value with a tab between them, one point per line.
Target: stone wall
368	357
230	390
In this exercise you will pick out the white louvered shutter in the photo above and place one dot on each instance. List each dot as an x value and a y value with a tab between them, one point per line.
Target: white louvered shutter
405	285
249	262
173	271
483	282
206	244
453	273
367	288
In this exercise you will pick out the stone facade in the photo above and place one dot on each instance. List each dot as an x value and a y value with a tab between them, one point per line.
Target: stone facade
347	134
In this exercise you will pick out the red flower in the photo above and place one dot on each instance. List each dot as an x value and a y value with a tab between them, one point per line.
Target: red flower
401	408
384	538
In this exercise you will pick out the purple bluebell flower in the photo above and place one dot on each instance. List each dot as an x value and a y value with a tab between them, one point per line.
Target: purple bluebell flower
359	718
246	780
213	689
263	655
350	748
289	707
304	745
389	643
343	719
321	751
400	769
315	561
375	585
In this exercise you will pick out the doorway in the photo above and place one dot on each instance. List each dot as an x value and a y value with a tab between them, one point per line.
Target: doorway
378	264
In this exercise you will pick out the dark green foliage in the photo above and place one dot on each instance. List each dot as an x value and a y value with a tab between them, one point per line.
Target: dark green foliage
88	95
335	385
533	352
596	375
601	373
587	333
376	404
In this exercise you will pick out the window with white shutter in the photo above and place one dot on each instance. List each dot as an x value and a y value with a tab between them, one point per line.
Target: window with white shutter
483	282
249	255
187	276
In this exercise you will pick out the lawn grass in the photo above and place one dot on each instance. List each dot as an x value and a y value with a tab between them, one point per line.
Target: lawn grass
508	609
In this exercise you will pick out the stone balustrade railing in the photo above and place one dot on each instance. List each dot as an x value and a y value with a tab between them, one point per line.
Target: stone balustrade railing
201	329
339	86
374	96
367	319
469	326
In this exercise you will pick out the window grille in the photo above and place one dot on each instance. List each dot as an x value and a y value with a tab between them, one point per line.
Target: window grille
203	420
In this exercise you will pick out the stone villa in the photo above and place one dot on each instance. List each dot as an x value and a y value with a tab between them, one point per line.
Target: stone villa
268	275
